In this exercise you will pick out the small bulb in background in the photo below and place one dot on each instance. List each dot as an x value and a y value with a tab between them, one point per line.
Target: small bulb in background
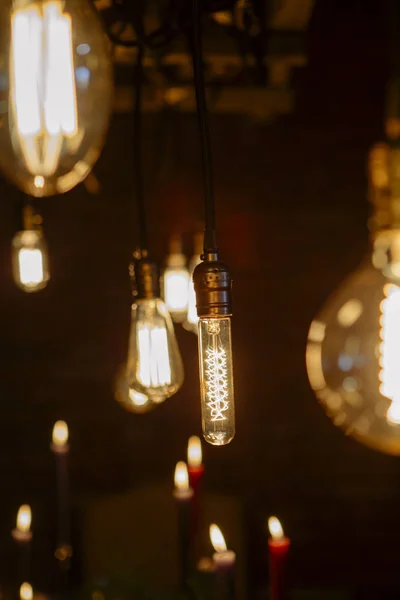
192	319
22	531
176	281
54	57
154	364
29	254
26	591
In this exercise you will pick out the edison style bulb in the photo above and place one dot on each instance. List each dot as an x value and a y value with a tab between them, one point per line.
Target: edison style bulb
192	320
353	350
176	282
154	366
56	71
216	380
30	260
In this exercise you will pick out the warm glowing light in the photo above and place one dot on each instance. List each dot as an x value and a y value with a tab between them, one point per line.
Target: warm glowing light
137	398
275	528
181	477
60	433
154	365
25	591
216	376
42	84
24	518
350	313
195	455
30	266
389	351
217	539
176	286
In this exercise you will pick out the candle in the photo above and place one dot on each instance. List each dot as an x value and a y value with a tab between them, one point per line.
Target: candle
60	449
278	546
26	591
22	534
183	495
225	561
195	458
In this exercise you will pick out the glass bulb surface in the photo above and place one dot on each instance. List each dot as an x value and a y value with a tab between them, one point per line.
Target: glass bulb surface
353	354
30	260
216	380
176	287
130	399
192	320
154	366
56	70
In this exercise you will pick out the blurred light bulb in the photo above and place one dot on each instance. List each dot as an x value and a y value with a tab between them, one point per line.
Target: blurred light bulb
181	477
176	282
24	518
59	96
194	453
26	591
60	434
154	366
216	380
353	349
30	260
275	528
192	319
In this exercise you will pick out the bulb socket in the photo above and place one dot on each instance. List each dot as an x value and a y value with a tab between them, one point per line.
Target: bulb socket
213	286
145	277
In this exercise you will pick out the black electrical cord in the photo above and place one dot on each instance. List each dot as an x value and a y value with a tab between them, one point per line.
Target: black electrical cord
137	149
210	245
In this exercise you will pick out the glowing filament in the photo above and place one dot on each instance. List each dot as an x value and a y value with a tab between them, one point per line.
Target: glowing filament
42	85
216	381
154	368
389	351
30	263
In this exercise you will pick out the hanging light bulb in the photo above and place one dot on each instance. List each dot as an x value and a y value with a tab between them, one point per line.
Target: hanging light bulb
354	343
192	319
29	254
130	399
54	56
154	365
176	281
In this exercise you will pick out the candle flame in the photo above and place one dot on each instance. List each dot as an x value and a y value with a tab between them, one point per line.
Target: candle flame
25	591
275	528
181	477
60	433
24	518
194	454
217	539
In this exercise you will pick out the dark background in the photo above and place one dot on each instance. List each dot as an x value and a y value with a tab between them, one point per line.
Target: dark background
292	211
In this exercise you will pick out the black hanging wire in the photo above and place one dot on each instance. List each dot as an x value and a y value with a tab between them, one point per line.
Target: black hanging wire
210	244
137	149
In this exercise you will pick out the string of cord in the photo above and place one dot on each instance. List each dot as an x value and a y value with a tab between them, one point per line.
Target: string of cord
210	245
137	149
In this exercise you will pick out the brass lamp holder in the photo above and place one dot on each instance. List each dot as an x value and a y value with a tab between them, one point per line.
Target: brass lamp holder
144	276
213	286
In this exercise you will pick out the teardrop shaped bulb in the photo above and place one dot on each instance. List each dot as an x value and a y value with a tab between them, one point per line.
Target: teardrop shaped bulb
56	79
30	260
154	366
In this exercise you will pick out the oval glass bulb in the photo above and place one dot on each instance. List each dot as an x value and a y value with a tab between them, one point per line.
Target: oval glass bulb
154	366
353	354
216	380
55	72
30	260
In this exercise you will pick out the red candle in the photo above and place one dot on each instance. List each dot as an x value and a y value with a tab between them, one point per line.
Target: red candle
278	546
195	465
225	561
183	495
